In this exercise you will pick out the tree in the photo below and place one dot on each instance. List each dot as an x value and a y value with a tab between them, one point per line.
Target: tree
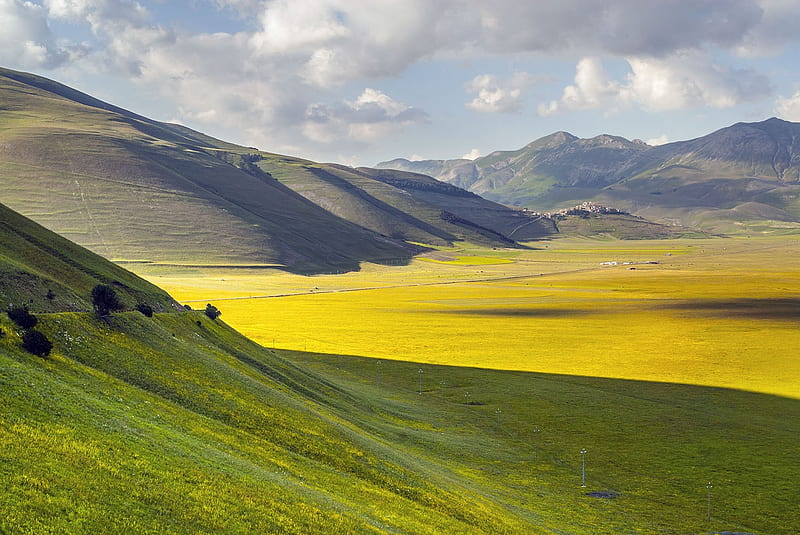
22	317
105	300
145	309
37	343
212	311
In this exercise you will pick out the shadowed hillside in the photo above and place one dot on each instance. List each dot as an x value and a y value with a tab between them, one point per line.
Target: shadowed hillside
134	189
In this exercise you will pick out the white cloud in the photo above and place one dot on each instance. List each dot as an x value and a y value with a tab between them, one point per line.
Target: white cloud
371	116
681	81
656	141
499	96
788	108
592	89
26	40
689	80
616	27
472	155
290	54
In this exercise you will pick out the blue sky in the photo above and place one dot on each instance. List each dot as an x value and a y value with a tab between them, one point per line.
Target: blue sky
361	81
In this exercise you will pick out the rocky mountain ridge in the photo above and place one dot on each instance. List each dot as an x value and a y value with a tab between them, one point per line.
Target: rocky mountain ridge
745	175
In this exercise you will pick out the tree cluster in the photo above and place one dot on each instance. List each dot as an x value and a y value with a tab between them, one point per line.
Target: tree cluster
33	341
212	311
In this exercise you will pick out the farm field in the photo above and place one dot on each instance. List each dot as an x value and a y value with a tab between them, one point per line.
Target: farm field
713	312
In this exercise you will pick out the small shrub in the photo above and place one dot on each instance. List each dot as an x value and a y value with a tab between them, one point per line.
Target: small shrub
145	309
50	295
212	311
187	307
37	343
105	300
2	333
22	317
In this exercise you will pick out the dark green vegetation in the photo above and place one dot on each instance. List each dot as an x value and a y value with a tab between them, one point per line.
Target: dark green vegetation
738	179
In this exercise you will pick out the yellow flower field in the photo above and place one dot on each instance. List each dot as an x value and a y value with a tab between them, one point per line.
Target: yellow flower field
721	312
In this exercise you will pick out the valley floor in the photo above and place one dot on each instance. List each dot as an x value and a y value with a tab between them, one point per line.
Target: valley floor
715	312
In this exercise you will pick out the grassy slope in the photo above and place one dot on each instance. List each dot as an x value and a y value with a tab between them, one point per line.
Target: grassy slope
134	189
162	425
178	424
357	198
35	261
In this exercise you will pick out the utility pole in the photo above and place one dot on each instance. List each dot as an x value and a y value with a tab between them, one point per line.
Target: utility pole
583	467
708	489
378	365
536	442
420	381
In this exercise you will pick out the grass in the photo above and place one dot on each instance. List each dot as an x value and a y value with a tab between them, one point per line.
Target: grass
162	425
45	272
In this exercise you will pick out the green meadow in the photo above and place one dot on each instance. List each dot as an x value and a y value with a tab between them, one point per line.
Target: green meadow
177	424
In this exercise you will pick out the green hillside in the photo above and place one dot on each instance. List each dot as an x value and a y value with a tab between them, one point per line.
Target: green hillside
133	189
484	221
176	424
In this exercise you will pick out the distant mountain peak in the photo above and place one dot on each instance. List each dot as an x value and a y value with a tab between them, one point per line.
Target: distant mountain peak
702	178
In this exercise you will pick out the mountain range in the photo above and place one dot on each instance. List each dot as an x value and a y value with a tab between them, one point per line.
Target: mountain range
743	177
137	190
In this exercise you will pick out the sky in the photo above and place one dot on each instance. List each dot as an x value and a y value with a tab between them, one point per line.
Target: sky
363	81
